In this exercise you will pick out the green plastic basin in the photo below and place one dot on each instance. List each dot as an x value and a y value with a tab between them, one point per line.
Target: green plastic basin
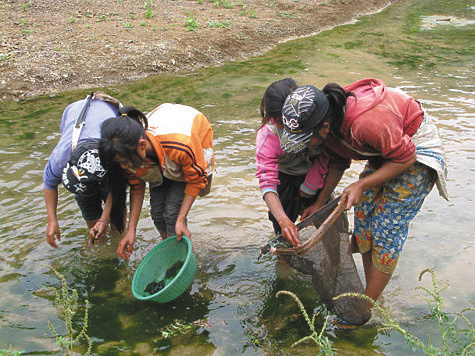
155	265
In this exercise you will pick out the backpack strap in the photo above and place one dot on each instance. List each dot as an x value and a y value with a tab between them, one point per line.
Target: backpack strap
80	122
98	95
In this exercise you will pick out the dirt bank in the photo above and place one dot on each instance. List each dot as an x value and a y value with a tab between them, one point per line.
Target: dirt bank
49	46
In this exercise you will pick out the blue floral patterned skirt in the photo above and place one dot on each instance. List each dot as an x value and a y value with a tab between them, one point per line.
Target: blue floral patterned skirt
384	212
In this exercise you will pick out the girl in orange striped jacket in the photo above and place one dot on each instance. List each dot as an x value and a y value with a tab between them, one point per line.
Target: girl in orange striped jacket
172	149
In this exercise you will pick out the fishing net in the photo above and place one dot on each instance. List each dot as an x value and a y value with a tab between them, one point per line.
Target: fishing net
328	260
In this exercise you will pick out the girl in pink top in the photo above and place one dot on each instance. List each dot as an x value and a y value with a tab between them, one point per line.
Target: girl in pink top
288	182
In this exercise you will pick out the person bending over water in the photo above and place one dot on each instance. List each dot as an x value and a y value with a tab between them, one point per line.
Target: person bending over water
172	149
75	162
366	120
289	182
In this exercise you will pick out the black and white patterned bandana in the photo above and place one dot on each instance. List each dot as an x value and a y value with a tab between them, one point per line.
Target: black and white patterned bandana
303	110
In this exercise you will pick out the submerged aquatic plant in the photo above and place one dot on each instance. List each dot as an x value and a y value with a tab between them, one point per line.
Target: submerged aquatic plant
322	341
455	340
180	327
10	352
67	305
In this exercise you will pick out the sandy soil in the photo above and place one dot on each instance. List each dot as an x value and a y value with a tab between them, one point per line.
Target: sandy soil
49	46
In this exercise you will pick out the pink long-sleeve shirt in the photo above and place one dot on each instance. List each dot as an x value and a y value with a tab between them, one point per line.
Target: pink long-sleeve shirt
268	162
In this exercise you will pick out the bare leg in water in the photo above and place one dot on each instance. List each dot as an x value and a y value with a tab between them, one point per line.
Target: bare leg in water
376	280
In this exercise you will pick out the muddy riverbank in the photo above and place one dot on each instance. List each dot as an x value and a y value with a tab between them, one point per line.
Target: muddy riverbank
53	46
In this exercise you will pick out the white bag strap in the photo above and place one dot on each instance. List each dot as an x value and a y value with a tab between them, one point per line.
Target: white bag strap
80	122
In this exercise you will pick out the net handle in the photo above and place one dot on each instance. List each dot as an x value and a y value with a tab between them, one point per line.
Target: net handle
318	235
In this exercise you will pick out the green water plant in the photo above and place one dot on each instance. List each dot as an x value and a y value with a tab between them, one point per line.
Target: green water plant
181	327
67	306
10	352
318	337
454	338
177	327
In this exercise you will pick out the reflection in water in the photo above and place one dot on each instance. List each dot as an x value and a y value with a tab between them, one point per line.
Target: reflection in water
233	291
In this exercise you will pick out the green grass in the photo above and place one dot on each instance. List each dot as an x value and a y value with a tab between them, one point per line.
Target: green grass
26	5
226	4
215	23
191	24
149	11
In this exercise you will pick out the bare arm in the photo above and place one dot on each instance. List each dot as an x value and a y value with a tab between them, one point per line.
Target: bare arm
289	231
387	171
99	229
52	229
181	227
126	245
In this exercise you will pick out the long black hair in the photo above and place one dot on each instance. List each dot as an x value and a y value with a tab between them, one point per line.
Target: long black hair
120	137
337	97
274	98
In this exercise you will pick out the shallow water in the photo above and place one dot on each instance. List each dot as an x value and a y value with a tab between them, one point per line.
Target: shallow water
233	292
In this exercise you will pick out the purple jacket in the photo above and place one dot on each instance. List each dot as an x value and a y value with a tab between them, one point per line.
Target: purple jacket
96	114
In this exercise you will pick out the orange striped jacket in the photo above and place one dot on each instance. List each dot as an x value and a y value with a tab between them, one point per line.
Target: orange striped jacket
182	137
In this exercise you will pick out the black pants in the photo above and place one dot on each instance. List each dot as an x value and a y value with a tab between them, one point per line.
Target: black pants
289	196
